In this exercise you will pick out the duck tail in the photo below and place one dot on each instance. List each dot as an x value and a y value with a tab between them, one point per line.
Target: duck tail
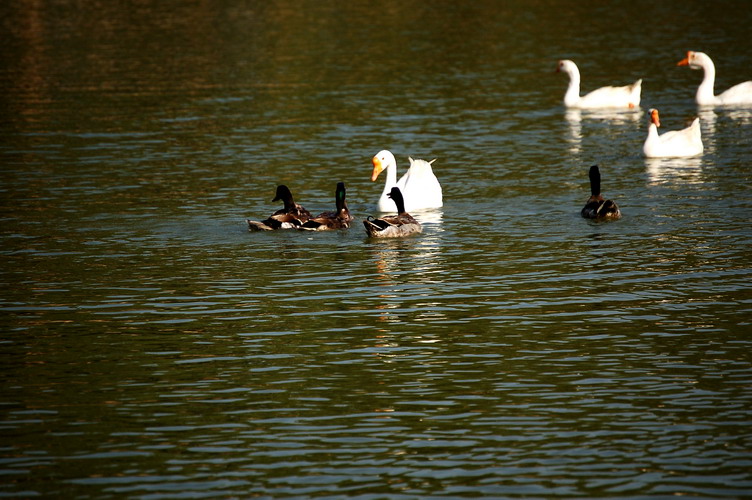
254	225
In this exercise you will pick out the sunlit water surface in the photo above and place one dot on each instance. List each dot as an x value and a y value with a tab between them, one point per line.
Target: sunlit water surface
153	348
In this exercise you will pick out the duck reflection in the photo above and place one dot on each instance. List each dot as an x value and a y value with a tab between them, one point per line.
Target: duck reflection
409	269
575	117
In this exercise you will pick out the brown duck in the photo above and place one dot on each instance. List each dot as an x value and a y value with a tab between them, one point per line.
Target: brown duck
291	216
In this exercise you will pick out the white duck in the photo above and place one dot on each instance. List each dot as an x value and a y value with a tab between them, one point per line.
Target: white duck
738	94
685	142
420	187
604	97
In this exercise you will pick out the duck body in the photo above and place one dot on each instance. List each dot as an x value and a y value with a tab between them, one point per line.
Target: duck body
597	207
737	95
418	185
393	226
627	96
675	143
339	219
291	216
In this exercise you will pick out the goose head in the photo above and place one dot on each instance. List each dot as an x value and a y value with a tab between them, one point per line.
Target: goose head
696	60
567	66
654	118
382	161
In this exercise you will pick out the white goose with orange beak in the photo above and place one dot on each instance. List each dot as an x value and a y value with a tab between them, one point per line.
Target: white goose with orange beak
737	95
675	143
419	185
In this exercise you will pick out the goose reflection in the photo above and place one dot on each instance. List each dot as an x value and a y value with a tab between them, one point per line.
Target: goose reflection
708	118
668	170
742	115
574	118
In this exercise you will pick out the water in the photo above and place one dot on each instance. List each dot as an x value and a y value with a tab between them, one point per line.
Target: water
153	348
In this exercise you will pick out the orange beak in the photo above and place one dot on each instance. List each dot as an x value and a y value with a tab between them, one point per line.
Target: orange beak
378	167
685	61
654	118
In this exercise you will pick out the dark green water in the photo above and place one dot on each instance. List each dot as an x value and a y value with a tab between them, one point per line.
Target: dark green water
153	348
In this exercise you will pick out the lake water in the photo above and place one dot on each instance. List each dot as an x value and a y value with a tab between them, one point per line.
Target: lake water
153	348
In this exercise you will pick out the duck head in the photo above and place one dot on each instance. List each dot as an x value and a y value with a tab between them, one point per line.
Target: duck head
339	197
595	180
396	195
284	194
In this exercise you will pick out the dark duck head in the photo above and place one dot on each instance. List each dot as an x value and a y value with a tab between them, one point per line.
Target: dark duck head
396	195
339	198
284	194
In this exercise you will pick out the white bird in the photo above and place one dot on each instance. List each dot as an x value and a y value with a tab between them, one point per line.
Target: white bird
738	94
627	96
419	185
685	142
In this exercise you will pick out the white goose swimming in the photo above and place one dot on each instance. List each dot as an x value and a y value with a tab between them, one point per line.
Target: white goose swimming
740	94
627	96
675	143
419	185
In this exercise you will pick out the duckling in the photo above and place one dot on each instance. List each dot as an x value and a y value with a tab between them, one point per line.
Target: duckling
332	220
596	207
291	216
393	226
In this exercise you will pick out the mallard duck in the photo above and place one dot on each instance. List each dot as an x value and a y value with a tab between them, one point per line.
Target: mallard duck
332	220
738	94
419	185
291	216
627	96
596	207
675	143
393	226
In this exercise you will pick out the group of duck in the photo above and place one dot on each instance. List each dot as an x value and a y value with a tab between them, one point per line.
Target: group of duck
419	188
676	143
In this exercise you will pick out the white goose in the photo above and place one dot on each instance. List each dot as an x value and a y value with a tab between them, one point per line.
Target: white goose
685	142
738	94
604	97
420	187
